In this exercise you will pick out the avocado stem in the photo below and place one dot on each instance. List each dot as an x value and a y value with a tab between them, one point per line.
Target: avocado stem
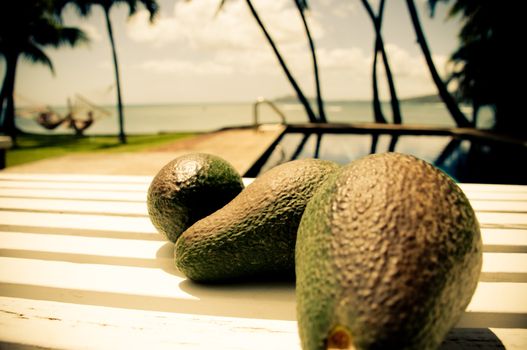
339	339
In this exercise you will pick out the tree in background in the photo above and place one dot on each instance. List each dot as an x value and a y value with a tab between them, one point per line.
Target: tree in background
302	6
447	98
26	27
379	49
484	66
84	8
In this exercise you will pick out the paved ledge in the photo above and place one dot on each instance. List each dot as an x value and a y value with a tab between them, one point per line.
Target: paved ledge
240	147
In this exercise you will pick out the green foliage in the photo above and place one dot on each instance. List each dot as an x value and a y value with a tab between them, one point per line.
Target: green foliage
26	27
33	147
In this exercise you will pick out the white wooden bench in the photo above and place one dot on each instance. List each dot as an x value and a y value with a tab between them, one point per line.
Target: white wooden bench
81	266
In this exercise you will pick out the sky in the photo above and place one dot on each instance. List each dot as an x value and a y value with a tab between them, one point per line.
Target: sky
188	55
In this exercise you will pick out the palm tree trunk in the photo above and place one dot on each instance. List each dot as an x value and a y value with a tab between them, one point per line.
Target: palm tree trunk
122	135
300	95
394	100
379	48
449	101
8	87
320	102
3	101
377	109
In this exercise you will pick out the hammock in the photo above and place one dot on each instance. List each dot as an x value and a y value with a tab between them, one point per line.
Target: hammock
81	115
50	120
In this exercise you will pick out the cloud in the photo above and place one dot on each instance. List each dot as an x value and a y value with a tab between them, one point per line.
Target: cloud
185	67
194	24
231	43
405	64
351	59
338	8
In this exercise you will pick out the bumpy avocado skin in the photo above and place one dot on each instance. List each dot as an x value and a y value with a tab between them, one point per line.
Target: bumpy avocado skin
189	188
254	235
389	250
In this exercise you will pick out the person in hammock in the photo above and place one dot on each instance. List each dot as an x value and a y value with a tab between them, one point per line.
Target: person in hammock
79	125
50	120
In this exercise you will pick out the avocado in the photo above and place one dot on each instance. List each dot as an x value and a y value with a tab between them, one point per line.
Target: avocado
388	256
189	188
254	235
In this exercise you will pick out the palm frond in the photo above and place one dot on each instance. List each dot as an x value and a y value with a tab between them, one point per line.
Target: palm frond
56	35
302	4
34	54
132	6
432	6
152	7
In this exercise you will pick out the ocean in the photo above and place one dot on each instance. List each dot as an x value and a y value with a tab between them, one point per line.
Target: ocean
203	117
464	160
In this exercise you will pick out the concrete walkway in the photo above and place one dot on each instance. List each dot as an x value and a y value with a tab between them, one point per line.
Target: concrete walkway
240	147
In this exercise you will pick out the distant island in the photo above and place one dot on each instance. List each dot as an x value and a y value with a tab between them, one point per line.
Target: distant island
434	98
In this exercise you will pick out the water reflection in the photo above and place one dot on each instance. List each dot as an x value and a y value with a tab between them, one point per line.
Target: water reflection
464	160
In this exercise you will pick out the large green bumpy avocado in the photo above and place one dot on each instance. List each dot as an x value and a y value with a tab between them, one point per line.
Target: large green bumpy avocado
388	256
254	235
189	188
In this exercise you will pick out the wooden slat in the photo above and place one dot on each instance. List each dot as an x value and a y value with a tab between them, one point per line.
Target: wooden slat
67	326
12	217
136	196
497	206
160	290
113	203
110	328
55	247
505	240
63	178
48	185
76	221
75	206
142	288
472	188
502	219
59	247
127	206
499	196
496	243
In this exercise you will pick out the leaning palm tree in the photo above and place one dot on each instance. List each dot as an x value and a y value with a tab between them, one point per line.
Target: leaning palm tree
302	6
300	95
26	27
460	119
84	9
378	115
292	81
379	48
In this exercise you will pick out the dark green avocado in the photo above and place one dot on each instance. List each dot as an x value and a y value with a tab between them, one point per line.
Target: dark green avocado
388	256
189	188
254	235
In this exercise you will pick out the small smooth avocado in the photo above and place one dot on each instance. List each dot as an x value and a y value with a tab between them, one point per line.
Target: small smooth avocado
254	235
189	188
388	256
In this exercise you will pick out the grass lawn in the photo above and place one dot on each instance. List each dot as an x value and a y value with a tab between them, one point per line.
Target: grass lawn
32	147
